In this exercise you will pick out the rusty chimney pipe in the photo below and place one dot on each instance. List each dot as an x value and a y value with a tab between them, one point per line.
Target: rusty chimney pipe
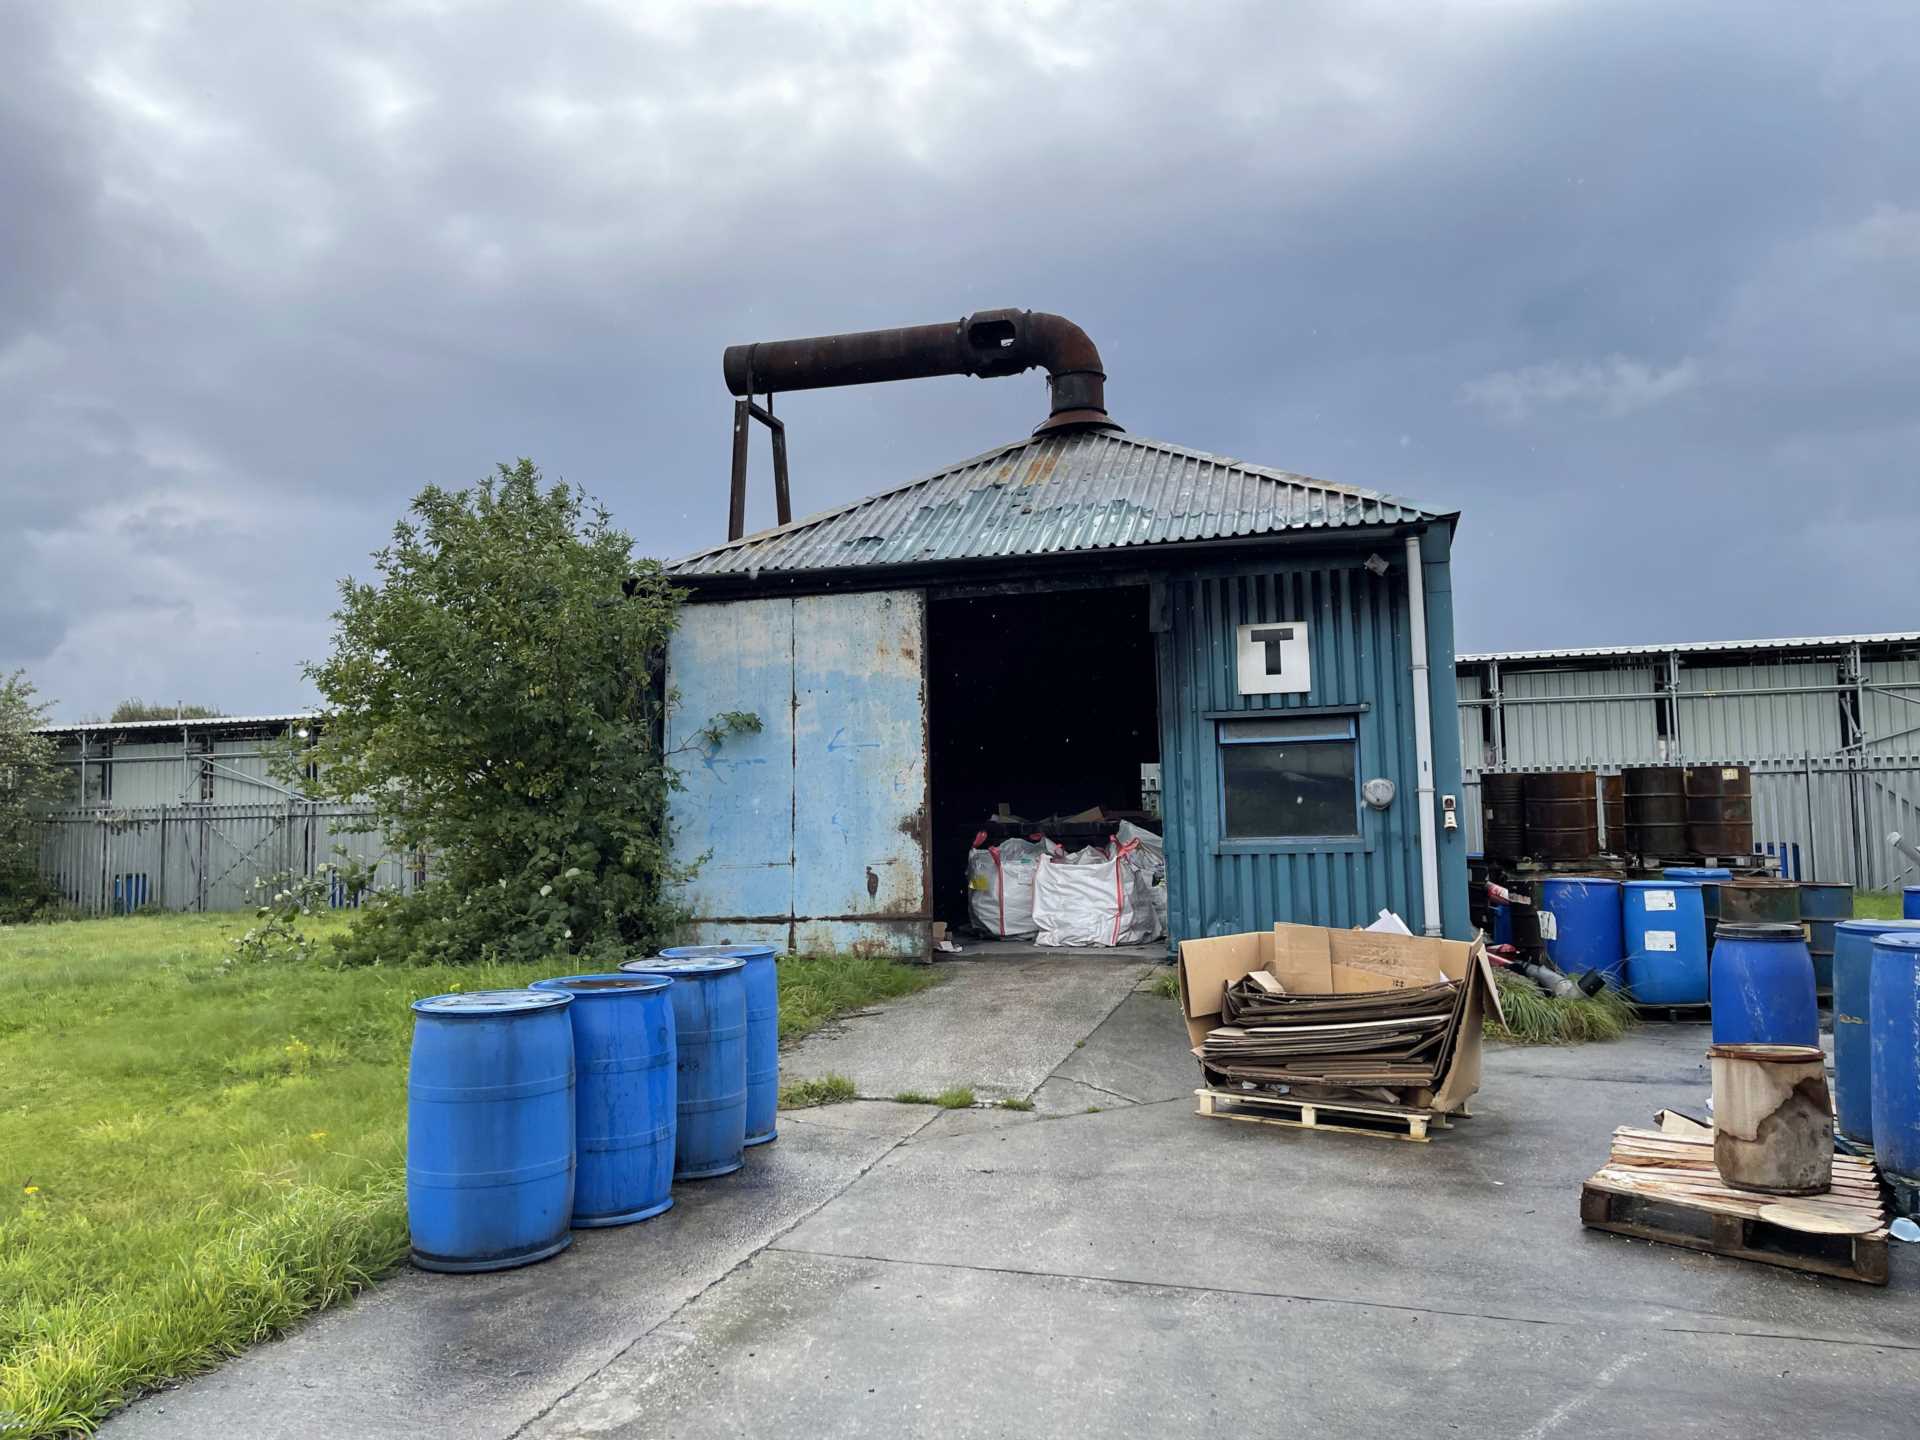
987	344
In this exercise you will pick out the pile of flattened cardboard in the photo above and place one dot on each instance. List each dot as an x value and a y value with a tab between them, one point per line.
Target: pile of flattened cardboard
1302	1005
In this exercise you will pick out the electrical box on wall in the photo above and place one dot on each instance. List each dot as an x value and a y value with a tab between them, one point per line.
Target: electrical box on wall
1274	660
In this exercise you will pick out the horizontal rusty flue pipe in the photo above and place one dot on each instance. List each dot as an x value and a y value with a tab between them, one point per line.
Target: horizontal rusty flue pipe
988	344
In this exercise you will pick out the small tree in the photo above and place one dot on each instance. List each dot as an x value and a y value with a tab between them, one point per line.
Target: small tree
29	783
495	697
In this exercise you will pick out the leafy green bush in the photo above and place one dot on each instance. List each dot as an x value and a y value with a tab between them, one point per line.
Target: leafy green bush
495	696
29	782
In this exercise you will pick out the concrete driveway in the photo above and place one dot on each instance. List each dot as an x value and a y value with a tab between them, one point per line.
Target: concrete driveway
1112	1263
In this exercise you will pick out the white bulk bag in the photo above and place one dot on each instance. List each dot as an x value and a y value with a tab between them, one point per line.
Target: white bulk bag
1000	884
1149	856
1093	897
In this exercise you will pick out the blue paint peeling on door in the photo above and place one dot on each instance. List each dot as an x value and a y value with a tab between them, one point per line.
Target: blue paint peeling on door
818	824
736	807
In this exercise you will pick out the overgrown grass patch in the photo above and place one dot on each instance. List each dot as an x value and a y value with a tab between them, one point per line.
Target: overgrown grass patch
821	1090
815	988
1535	1018
1166	985
1014	1102
1876	904
194	1154
956	1097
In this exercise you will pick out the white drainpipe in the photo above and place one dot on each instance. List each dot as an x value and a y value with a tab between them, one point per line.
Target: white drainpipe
1423	738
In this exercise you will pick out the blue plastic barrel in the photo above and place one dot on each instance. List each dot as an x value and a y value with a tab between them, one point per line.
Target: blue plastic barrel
1895	1032
490	1129
710	1016
1584	933
1500	915
763	1030
624	1118
1910	902
1852	1019
1822	906
1762	986
1709	878
1663	924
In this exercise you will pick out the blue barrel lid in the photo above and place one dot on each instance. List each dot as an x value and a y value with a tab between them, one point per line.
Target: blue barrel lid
1668	884
1897	940
589	987
1877	927
718	952
717	965
484	1003
1696	872
1773	932
1577	880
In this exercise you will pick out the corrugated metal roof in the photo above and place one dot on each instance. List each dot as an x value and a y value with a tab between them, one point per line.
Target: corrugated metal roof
215	722
1054	495
1597	652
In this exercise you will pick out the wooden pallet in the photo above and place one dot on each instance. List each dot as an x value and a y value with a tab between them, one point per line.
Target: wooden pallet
1674	1014
1662	1186
1395	1122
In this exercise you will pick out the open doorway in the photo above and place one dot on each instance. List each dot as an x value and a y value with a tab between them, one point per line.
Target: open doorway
1045	704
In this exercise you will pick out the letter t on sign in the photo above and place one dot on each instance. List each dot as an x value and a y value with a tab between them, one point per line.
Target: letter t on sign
1271	636
1273	659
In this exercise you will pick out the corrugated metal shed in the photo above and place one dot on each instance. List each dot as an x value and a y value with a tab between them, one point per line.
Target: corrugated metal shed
174	727
1058	494
1569	718
1600	652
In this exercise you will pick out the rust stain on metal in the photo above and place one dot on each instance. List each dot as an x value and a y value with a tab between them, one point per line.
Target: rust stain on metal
873	882
1040	468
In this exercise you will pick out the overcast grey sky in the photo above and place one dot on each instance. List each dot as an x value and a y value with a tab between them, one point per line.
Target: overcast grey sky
1637	286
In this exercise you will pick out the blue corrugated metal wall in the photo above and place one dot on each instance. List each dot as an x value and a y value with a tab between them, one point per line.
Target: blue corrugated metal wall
1361	657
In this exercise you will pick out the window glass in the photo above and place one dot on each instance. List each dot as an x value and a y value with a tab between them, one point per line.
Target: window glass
1299	727
1289	789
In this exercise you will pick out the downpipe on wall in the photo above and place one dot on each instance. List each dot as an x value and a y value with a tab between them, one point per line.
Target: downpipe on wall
1423	740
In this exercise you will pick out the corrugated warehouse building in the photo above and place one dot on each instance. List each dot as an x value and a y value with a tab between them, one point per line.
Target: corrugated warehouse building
1031	626
187	814
1830	726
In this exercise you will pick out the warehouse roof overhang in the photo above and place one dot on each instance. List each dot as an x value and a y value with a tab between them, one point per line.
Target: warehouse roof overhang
1817	644
1059	496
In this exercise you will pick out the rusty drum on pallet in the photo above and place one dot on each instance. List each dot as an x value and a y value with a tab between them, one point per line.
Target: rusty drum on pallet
1503	815
1720	810
1756	902
1563	815
1656	809
1823	905
1656	801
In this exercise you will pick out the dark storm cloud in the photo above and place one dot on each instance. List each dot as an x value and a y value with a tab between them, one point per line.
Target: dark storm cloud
1631	284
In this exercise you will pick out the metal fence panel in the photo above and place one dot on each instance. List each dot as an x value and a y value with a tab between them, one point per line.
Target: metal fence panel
205	857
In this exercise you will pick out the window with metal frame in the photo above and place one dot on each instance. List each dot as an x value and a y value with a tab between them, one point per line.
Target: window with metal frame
1289	778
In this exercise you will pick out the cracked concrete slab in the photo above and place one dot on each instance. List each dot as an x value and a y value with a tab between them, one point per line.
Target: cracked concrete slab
800	1344
459	1356
999	1025
892	1270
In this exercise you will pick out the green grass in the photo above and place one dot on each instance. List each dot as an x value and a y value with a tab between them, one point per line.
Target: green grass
1166	985
822	1090
1534	1018
1876	905
960	1097
1014	1103
192	1156
815	988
